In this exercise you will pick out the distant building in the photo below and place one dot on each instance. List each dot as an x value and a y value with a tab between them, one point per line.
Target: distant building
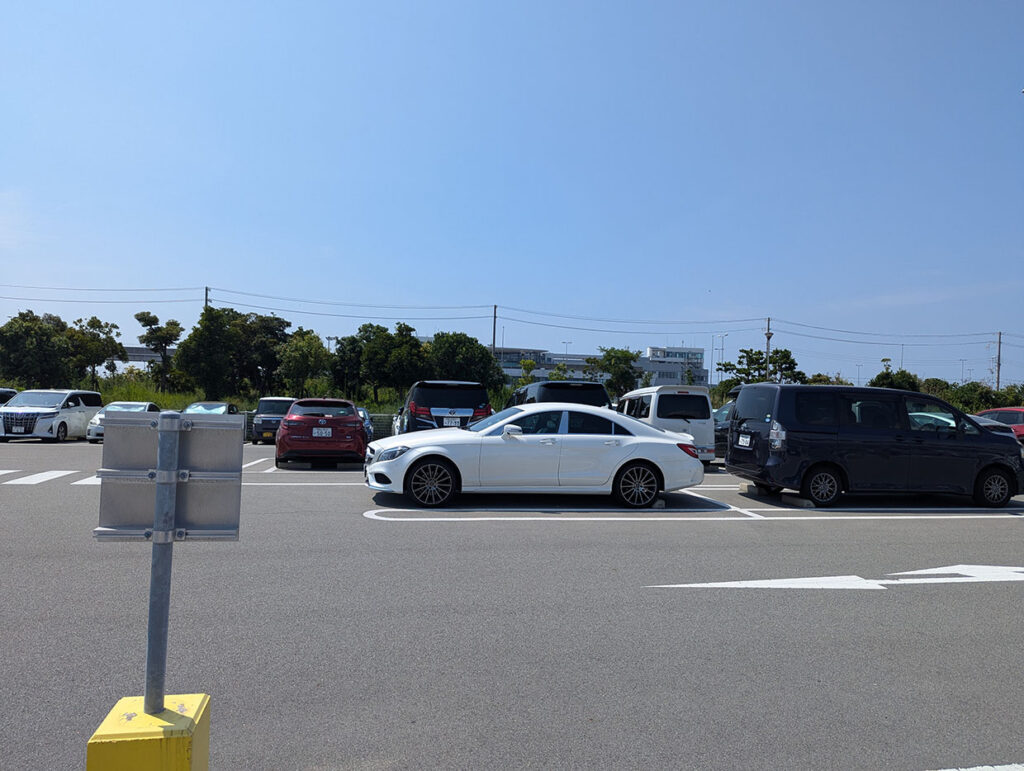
667	365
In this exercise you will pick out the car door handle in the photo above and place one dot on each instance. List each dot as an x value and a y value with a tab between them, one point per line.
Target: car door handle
547	441
612	443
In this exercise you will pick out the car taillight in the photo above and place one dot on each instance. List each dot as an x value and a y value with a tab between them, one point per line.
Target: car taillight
291	423
689	449
482	412
777	436
423	412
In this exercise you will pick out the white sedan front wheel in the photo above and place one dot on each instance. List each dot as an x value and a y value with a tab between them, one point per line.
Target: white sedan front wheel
431	483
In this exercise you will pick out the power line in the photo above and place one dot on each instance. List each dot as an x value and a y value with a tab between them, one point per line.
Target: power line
629	321
104	289
356	315
355	305
595	329
885	334
100	302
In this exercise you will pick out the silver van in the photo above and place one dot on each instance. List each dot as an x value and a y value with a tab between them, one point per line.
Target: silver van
684	409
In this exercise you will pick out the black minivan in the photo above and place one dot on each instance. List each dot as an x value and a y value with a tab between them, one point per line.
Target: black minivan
827	440
575	391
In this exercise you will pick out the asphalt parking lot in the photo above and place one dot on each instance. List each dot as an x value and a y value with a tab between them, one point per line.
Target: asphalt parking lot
348	630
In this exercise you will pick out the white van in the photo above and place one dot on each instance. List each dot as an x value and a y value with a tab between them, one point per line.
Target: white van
685	409
52	415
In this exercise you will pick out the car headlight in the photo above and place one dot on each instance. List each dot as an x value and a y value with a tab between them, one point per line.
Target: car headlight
95	421
394	452
47	415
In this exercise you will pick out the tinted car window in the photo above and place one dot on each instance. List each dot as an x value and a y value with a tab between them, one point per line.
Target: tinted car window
580	393
815	408
755	404
871	413
540	422
584	423
323	410
273	406
91	399
688	406
449	395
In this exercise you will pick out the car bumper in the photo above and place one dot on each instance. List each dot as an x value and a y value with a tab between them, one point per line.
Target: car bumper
385	477
94	433
307	449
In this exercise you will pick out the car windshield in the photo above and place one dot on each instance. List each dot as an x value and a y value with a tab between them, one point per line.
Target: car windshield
322	410
497	417
273	406
126	407
36	399
211	407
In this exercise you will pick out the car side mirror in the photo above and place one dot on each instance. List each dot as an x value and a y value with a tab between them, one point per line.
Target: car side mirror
510	430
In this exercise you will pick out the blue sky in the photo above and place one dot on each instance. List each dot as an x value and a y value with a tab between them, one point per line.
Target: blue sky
610	174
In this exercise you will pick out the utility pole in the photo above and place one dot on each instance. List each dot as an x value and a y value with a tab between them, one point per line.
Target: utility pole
494	330
767	347
999	356
206	302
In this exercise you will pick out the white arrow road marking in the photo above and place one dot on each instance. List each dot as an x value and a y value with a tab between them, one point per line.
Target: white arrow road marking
35	479
9	471
953	574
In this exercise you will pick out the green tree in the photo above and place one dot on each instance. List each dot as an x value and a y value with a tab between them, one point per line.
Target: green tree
749	366
35	351
305	363
559	372
782	367
93	343
375	357
345	367
620	366
256	358
936	387
819	378
208	354
887	378
159	338
973	397
457	356
407	360
527	366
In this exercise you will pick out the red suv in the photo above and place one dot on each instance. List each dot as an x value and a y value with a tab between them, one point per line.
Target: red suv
321	429
1011	416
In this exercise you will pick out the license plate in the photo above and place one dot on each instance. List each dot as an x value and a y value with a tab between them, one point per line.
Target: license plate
743	440
17	429
322	432
452	422
267	434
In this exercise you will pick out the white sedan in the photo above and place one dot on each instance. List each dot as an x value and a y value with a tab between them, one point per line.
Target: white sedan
548	447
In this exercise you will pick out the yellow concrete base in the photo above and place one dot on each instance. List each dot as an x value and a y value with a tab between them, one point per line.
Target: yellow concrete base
178	739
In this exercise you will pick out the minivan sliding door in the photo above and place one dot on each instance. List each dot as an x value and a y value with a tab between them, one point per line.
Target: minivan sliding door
873	443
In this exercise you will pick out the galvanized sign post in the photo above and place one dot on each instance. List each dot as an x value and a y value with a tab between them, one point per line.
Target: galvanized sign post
192	473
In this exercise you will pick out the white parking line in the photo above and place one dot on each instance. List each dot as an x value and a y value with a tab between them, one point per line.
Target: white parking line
255	462
35	479
9	471
93	480
493	515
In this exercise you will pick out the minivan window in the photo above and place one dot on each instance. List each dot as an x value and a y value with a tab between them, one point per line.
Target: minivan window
816	408
754	404
871	413
686	406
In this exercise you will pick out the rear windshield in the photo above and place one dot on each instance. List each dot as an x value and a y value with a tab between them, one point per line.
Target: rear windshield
449	396
755	404
688	406
273	406
323	409
578	393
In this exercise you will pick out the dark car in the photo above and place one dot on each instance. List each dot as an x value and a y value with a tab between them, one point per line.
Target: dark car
722	417
575	391
321	429
442	404
827	440
269	411
6	394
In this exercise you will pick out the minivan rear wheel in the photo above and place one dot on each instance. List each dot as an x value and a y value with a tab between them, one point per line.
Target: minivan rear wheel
993	488
822	485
